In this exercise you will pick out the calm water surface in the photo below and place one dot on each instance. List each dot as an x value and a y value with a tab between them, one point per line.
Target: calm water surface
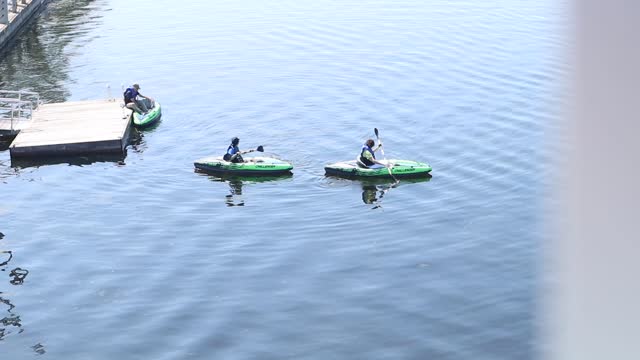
146	259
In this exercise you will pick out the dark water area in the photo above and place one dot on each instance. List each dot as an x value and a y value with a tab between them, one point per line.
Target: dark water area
144	258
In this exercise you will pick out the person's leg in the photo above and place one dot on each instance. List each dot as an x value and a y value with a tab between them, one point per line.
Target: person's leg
134	107
141	104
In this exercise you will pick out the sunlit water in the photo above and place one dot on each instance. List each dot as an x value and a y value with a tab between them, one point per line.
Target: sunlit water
146	259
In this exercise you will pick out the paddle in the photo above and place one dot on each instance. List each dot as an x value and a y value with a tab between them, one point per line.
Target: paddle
259	149
375	130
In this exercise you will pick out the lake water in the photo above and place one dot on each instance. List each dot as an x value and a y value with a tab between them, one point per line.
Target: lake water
146	259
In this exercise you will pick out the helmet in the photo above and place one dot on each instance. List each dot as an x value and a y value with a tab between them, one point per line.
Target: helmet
235	141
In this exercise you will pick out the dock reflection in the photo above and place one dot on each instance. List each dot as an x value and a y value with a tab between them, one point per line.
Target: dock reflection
79	160
40	49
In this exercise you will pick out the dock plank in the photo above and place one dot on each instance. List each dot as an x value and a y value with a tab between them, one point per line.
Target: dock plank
5	124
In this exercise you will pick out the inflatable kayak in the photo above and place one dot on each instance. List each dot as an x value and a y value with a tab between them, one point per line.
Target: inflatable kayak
255	166
149	118
400	168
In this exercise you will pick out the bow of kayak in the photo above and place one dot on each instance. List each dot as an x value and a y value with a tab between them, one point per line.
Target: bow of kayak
149	118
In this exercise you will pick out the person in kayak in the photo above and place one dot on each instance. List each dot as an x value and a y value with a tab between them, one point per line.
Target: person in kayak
234	154
367	156
131	101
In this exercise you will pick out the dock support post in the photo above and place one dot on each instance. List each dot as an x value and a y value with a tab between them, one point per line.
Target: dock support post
4	12
14	6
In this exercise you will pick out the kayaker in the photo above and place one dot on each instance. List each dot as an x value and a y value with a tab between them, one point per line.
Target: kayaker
131	101
234	154
367	156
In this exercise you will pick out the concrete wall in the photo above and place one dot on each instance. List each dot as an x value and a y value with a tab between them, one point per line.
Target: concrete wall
14	17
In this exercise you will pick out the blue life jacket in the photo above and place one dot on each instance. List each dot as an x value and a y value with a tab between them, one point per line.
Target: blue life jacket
232	149
363	159
130	95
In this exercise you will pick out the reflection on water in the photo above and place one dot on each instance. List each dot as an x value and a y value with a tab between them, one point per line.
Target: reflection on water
70	160
137	144
373	191
235	193
18	275
369	193
10	323
39	60
235	198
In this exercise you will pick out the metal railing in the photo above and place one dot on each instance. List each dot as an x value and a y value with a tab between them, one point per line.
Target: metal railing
18	106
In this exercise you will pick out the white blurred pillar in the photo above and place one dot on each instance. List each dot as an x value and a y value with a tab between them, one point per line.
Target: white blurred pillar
595	302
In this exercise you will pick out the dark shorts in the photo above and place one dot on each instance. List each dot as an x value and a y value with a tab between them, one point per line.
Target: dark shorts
365	161
238	158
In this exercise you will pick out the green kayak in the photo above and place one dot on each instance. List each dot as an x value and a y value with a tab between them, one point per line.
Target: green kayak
254	166
149	118
400	168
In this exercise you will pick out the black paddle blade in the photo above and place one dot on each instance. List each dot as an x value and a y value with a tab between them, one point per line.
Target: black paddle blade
375	130
260	148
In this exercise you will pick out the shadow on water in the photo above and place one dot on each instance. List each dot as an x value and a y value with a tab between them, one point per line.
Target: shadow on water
150	128
5	141
236	183
38	60
10	321
137	144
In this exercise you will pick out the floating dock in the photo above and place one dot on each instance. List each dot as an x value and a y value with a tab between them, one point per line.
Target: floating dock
74	128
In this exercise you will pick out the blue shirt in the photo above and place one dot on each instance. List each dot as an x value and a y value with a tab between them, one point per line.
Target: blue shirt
130	94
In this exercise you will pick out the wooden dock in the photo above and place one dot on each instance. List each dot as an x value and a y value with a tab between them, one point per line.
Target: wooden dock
74	128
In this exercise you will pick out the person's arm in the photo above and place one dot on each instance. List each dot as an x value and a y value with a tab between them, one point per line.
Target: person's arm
146	97
369	157
380	163
235	154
